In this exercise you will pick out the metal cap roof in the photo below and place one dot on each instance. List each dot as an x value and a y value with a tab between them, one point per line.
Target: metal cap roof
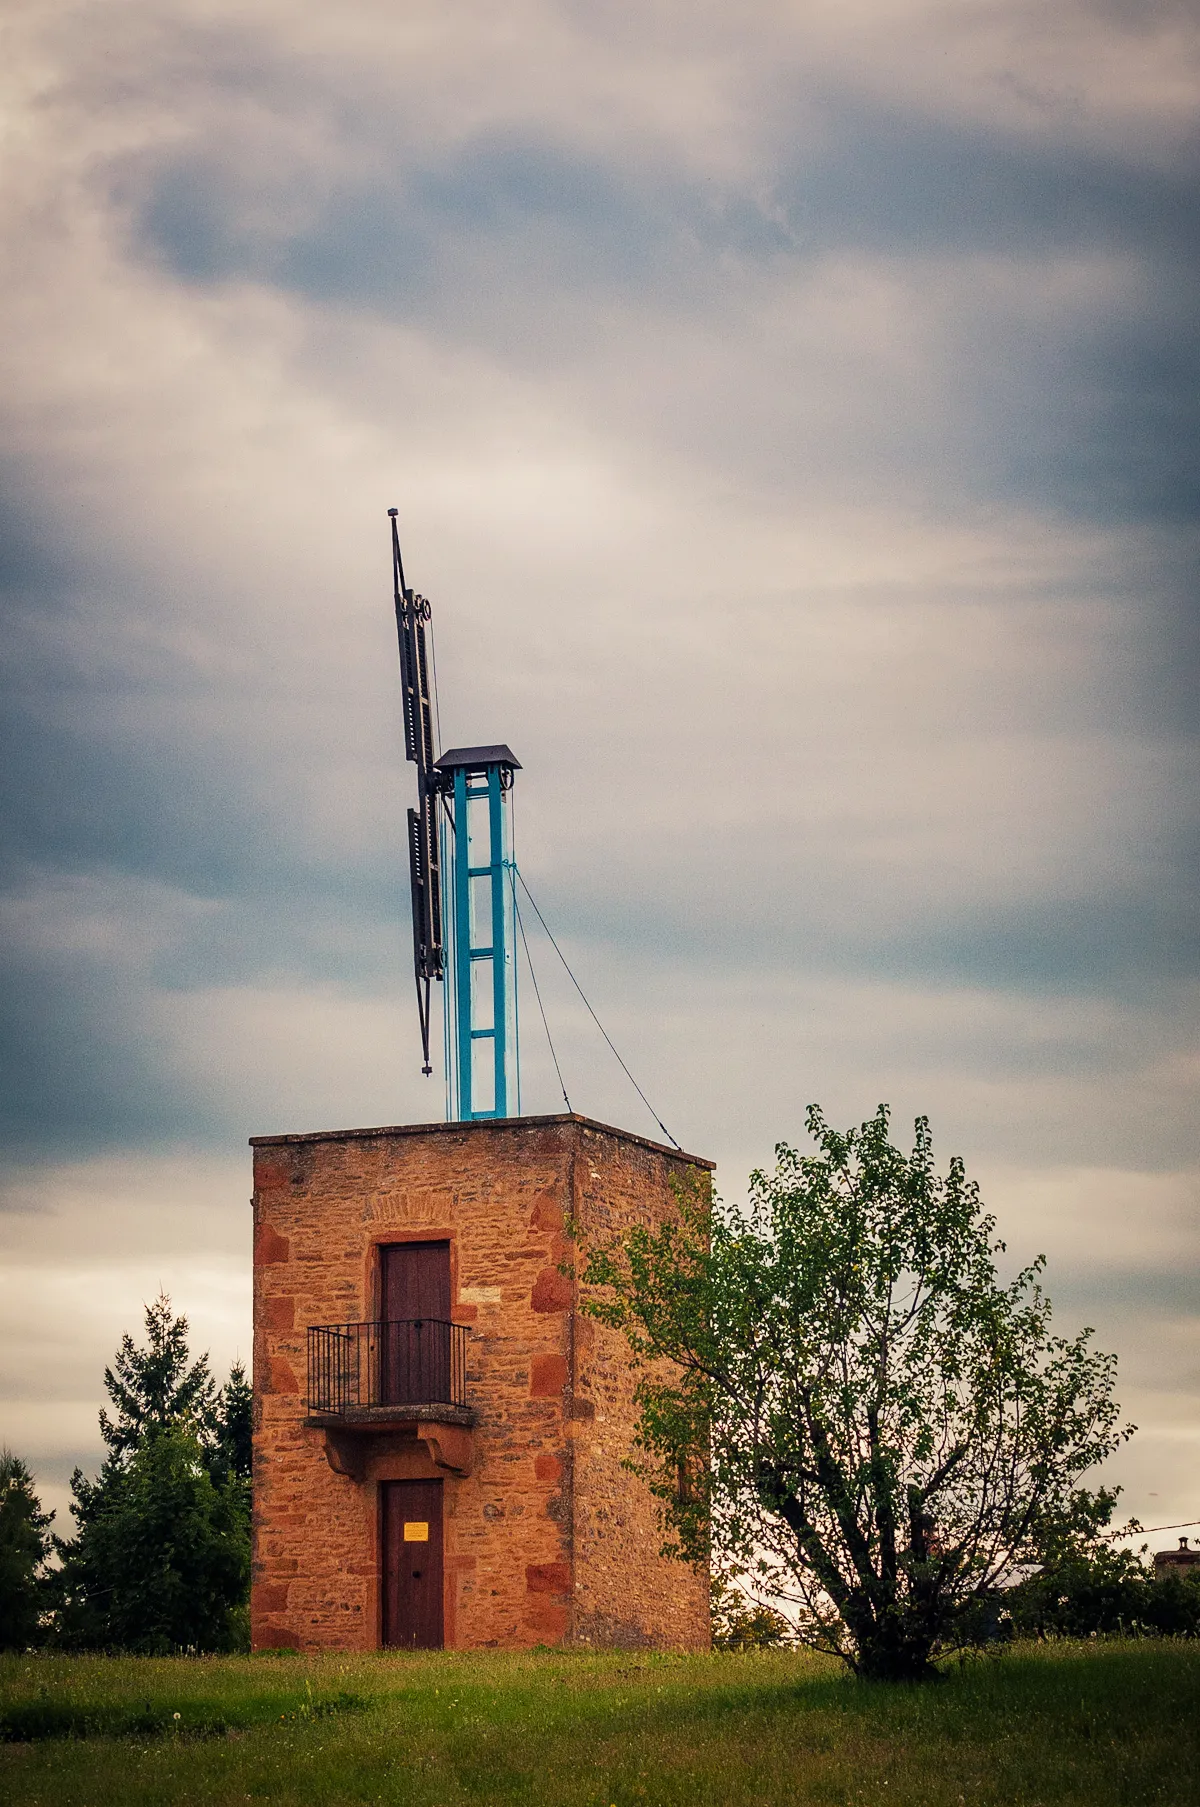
477	757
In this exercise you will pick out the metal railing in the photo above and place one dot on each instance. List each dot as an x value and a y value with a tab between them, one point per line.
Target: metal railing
409	1361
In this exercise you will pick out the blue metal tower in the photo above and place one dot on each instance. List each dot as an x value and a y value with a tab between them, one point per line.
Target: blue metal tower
481	1038
466	935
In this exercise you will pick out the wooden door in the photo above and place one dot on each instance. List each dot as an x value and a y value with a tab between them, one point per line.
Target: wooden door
411	1540
415	1308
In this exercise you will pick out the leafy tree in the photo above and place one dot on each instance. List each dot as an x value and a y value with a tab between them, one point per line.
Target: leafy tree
1087	1587
162	1560
24	1546
161	1556
837	1393
1170	1604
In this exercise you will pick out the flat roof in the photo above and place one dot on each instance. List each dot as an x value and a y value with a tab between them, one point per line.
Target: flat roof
473	757
481	1123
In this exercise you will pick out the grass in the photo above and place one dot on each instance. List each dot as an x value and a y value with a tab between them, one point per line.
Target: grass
1035	1727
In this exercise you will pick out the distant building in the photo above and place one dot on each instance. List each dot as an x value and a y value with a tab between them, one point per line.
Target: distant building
1182	1558
439	1431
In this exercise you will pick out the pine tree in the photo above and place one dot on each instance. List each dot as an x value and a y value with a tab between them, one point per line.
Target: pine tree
232	1428
157	1386
161	1559
24	1545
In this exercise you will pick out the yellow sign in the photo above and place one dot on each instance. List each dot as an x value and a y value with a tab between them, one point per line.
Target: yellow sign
416	1530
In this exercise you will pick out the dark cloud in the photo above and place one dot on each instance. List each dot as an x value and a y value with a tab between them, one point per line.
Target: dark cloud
209	875
403	220
71	798
77	1073
1112	945
1100	414
796	425
523	245
1108	946
33	562
122	754
905	182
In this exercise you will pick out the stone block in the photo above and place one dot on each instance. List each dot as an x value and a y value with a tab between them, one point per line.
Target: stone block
552	1291
548	1375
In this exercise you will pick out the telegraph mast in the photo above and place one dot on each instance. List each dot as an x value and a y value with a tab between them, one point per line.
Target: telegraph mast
460	824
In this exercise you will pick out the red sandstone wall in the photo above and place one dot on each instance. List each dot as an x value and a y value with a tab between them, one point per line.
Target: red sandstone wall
548	1540
626	1594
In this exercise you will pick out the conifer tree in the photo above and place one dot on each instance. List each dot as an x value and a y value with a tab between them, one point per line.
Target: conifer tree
232	1428
24	1545
161	1558
157	1386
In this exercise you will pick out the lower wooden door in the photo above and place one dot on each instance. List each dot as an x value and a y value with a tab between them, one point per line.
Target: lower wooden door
411	1544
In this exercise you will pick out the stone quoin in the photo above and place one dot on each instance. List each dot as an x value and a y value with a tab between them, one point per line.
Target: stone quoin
502	1517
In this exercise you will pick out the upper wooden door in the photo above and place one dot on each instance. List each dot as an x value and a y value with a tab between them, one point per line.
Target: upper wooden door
411	1528
415	1311
416	1280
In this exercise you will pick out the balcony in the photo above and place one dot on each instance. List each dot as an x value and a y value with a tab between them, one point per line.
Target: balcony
407	1377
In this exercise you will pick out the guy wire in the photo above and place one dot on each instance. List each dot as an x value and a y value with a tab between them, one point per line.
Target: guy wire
604	1032
536	991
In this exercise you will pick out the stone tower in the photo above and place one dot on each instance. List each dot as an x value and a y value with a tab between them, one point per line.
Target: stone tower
439	1433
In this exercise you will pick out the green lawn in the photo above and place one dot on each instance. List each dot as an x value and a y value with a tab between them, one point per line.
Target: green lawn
1086	1724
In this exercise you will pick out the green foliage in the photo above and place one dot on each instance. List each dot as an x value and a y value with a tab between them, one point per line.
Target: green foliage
1084	1587
161	1559
24	1546
839	1396
156	1387
741	1624
232	1429
1106	1592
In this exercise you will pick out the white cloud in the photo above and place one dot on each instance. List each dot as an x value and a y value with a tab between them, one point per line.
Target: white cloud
86	1245
849	768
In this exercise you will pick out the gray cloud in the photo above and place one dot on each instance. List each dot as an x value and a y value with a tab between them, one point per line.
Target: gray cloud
793	421
522	245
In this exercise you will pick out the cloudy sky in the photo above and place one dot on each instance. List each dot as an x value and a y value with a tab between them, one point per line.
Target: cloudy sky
792	411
